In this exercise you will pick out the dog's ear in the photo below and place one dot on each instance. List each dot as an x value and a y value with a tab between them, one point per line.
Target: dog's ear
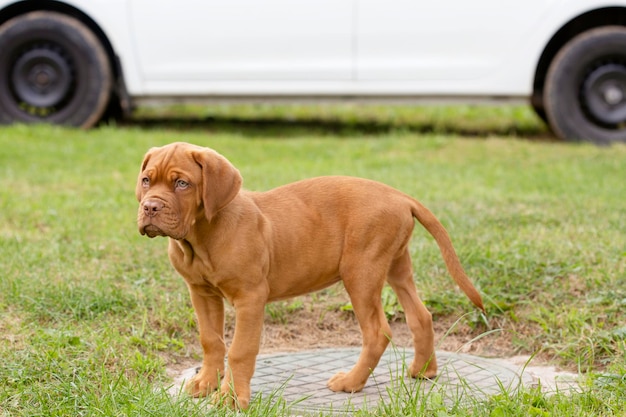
221	181
138	187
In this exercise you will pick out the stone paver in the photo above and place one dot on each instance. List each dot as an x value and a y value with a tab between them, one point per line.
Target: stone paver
300	378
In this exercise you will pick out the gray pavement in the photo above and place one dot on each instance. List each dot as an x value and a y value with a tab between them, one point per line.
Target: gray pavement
300	379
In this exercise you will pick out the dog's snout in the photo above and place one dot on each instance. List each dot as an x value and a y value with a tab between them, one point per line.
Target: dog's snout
152	207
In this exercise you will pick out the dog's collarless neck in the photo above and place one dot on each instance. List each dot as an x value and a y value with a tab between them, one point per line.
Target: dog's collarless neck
187	249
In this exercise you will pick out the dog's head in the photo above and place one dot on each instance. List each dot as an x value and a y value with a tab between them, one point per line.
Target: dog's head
179	183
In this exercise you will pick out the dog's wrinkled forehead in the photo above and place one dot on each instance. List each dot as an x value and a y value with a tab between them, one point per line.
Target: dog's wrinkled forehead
174	159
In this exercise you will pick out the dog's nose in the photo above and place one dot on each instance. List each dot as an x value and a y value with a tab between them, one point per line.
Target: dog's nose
152	207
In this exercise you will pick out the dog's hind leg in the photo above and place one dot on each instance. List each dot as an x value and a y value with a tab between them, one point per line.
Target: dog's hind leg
418	318
365	294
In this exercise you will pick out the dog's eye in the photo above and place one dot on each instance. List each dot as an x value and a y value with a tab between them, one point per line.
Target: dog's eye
145	182
182	184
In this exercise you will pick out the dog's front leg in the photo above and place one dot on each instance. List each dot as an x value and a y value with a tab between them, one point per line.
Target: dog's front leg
242	354
209	309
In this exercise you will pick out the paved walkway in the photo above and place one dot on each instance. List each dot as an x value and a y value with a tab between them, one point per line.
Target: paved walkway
300	378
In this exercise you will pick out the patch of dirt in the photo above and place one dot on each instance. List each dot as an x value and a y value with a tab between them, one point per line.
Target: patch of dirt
319	327
9	333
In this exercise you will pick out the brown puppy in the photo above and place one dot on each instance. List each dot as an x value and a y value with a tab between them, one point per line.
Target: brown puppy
252	248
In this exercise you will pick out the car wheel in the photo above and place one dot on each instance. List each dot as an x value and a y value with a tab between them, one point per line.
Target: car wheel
585	90
540	112
53	69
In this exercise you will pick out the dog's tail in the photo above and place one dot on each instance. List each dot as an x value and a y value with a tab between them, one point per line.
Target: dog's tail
436	229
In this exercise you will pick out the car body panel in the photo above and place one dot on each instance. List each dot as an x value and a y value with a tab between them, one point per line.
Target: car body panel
340	48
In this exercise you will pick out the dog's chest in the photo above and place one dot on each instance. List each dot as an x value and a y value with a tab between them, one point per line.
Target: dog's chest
195	268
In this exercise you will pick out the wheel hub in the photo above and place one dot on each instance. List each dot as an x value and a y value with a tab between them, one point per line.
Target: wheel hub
604	94
42	77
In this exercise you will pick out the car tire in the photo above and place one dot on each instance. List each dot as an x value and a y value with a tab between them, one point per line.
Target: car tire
53	69
585	89
540	112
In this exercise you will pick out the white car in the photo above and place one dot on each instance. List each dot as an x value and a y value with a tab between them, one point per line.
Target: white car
70	61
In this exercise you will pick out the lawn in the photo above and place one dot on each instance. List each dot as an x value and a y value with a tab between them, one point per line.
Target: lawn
92	314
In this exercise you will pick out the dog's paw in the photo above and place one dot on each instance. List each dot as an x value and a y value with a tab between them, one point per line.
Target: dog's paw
427	371
201	385
342	381
225	397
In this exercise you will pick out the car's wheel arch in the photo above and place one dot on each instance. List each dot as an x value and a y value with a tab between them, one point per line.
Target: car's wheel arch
609	16
120	100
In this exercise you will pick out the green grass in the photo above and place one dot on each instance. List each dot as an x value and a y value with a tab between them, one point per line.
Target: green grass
91	313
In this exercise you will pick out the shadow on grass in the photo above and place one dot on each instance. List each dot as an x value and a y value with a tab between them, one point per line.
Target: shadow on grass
475	124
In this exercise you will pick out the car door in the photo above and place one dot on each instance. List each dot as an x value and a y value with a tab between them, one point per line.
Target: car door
436	42
194	41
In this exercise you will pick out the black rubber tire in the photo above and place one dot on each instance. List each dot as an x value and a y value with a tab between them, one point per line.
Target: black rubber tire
540	112
585	88
53	69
